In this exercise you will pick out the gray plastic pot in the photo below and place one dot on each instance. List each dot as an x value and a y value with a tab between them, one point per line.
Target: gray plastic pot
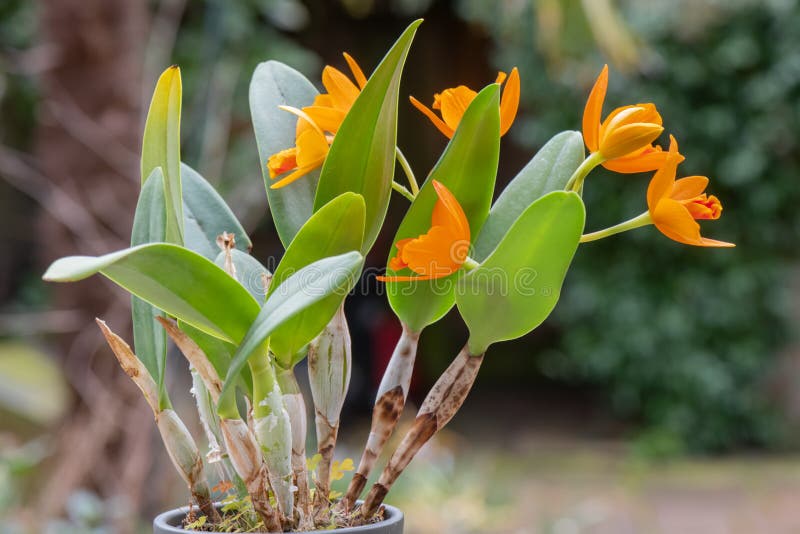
170	523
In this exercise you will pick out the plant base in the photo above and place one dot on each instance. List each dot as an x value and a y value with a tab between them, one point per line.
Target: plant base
170	522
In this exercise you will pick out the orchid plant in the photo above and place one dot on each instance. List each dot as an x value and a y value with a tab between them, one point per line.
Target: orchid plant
328	161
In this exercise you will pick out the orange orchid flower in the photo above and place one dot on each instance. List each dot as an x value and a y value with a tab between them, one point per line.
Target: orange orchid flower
329	109
625	138
675	204
439	252
324	115
452	103
310	150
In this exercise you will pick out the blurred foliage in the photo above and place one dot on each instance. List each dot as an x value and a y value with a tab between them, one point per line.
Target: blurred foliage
681	338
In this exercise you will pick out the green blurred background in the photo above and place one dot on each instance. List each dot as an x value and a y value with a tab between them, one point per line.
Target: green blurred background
663	395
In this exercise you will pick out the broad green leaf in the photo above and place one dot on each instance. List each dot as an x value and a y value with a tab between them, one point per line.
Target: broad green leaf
249	272
468	168
549	170
161	147
362	156
518	285
329	276
275	84
337	227
174	279
149	338
206	216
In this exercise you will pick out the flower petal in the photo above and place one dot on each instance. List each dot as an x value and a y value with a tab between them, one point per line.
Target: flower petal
689	187
358	74
662	182
311	147
458	221
674	221
454	103
432	254
444	128
342	90
593	111
509	103
625	139
649	158
327	118
296	175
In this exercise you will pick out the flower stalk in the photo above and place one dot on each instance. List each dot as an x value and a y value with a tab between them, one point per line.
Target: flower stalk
575	182
443	401
631	224
412	180
389	404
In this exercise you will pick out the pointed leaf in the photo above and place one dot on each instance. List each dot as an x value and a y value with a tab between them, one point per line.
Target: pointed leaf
149	339
161	147
549	170
174	279
338	227
206	216
275	84
518	285
362	156
306	287
468	168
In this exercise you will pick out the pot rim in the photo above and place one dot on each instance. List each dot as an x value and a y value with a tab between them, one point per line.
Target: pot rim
166	521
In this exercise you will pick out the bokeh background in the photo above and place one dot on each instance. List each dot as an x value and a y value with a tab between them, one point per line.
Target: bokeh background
663	395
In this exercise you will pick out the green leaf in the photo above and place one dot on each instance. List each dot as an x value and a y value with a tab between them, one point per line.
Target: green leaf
275	84
518	285
174	279
161	147
468	168
149	338
206	216
549	170
330	276
338	227
362	156
249	272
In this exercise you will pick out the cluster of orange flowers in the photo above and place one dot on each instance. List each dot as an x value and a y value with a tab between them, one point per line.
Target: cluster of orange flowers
623	142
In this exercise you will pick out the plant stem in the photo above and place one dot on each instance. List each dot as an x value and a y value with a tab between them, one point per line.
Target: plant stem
239	441
403	191
180	446
412	180
389	404
329	363
576	180
470	264
296	408
637	222
273	431
441	404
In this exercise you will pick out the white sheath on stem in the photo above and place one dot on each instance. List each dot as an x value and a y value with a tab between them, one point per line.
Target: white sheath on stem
329	363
